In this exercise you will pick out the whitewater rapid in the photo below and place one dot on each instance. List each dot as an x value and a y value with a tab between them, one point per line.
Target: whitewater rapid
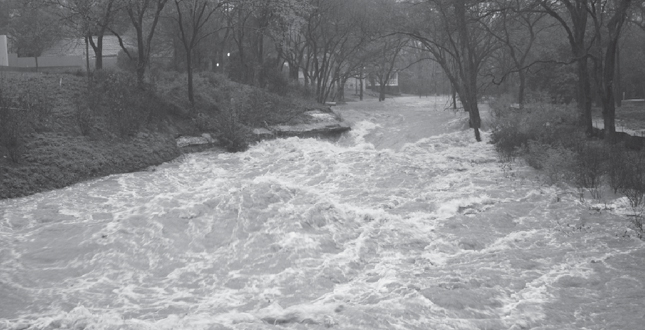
403	223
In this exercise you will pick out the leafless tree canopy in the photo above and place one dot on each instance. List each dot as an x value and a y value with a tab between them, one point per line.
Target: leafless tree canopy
567	50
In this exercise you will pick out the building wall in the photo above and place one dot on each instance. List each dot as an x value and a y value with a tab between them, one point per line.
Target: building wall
353	85
4	54
46	61
52	61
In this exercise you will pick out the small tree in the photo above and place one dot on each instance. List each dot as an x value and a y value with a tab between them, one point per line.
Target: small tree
517	29
573	16
190	19
607	35
33	29
144	15
91	18
453	32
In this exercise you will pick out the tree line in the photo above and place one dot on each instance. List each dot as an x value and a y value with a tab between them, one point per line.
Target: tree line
564	50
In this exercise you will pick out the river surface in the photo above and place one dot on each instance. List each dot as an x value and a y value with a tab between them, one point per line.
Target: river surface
403	223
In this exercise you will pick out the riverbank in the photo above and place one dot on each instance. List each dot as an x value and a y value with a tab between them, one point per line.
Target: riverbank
549	138
405	222
57	131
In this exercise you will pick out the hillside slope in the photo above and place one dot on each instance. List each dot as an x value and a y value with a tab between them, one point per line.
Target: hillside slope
59	129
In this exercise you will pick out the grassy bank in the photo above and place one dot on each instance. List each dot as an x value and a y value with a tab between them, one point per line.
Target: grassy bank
548	138
59	129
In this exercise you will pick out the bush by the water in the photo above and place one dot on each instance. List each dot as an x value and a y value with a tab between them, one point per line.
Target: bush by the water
58	129
116	104
127	62
548	138
228	109
512	128
50	137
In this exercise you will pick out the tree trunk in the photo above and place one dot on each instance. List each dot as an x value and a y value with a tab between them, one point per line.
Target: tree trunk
97	48
522	87
189	70
141	60
341	90
87	56
468	97
618	81
293	71
468	74
614	26
584	96
607	96
98	52
453	91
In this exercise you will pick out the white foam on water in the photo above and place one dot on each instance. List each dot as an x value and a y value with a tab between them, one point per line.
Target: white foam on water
404	223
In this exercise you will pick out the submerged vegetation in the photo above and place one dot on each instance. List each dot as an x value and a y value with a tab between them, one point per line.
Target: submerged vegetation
548	138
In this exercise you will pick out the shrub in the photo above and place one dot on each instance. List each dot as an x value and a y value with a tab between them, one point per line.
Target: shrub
560	164
632	178
274	80
300	91
549	139
19	115
590	164
616	168
557	163
240	71
120	100
512	129
500	106
84	118
627	176
125	63
535	154
217	80
10	127
231	132
507	133
257	108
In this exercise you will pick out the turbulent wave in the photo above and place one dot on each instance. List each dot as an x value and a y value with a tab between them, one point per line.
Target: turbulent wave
404	223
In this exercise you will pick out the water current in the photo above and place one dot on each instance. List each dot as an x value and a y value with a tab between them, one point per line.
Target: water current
403	223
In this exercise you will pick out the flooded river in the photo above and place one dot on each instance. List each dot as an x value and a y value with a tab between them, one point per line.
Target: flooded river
403	223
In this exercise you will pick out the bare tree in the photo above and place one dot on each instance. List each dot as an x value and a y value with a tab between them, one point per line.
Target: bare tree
334	33
383	66
34	28
453	32
608	17
517	28
91	18
144	15
191	17
573	16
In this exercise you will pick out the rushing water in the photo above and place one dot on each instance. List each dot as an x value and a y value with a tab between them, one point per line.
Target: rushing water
404	223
